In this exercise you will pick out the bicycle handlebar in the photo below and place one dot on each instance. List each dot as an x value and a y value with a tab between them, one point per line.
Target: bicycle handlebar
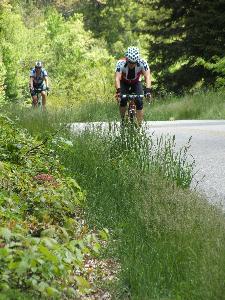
38	90
131	96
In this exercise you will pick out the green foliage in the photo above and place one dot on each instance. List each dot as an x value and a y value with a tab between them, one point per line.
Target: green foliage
18	51
201	105
169	240
128	149
2	80
79	66
217	66
118	22
182	40
9	26
185	32
43	239
163	228
83	72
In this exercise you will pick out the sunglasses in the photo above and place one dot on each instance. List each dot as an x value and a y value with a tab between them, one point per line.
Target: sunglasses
131	62
37	67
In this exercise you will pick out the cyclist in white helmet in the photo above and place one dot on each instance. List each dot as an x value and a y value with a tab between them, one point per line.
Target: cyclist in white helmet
129	71
38	83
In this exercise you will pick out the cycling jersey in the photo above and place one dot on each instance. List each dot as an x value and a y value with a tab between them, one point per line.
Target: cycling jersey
38	79
133	75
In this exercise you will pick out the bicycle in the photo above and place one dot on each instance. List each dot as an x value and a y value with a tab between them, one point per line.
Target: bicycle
39	98
131	115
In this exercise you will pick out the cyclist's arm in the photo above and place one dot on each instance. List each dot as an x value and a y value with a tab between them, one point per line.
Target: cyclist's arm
118	78
46	80
31	84
147	76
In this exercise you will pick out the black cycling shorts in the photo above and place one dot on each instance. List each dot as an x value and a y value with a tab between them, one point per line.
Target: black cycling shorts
135	88
37	89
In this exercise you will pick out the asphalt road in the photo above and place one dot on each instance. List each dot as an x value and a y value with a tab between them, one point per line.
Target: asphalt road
207	149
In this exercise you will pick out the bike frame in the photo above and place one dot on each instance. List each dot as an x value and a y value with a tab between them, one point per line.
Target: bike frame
39	98
131	109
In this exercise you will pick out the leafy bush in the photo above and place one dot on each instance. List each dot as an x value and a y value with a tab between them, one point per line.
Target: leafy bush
2	78
83	72
44	241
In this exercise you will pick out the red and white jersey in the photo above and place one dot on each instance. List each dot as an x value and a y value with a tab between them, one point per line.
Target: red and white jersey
131	76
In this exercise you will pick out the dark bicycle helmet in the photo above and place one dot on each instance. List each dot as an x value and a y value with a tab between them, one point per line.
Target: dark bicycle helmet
132	54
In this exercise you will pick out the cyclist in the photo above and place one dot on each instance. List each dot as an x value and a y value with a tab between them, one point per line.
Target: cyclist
129	71
38	83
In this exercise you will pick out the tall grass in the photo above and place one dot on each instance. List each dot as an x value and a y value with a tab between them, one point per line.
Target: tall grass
169	241
198	105
201	105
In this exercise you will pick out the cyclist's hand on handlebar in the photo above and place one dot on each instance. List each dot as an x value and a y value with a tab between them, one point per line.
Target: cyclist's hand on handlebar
148	94
47	90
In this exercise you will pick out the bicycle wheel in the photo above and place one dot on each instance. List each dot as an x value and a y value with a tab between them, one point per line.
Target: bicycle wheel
39	101
132	112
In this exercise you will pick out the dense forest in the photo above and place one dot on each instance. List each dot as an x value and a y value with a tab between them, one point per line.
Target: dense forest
79	42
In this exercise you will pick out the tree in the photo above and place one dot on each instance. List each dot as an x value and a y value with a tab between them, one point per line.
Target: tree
182	32
72	56
11	46
80	65
118	22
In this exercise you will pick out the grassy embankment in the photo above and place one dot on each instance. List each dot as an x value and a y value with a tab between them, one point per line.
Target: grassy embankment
202	105
47	250
169	241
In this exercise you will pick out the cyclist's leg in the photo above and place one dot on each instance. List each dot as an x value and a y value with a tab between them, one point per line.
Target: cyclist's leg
124	88
34	98
138	90
43	96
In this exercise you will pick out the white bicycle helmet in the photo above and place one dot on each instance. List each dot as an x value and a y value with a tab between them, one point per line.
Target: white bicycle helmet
132	54
38	64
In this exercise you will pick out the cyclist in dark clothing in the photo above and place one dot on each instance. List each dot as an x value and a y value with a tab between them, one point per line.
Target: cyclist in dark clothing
129	71
38	83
